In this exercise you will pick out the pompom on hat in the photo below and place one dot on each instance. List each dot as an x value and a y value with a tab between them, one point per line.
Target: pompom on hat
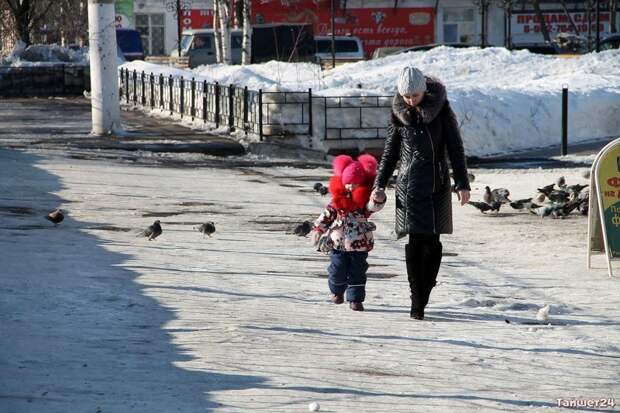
354	173
411	81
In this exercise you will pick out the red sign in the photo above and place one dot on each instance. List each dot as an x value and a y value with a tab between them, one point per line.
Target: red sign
376	27
196	19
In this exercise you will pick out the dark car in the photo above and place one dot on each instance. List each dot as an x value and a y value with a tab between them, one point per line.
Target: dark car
610	42
130	42
537	48
427	47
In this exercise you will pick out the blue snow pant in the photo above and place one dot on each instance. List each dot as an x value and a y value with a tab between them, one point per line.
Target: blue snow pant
347	271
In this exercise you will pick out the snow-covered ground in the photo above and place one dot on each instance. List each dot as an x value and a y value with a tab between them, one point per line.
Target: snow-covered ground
96	319
505	100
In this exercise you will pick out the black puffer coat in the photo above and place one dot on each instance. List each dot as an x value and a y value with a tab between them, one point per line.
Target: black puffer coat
420	137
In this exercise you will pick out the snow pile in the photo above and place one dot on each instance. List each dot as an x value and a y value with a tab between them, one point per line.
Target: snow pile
505	100
44	55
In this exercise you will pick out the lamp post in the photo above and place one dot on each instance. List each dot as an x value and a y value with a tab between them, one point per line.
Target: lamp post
106	113
333	5
179	27
598	22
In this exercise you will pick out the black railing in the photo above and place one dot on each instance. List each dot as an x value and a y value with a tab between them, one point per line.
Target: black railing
44	81
263	113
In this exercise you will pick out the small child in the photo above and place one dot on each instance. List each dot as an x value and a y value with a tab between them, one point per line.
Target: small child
343	229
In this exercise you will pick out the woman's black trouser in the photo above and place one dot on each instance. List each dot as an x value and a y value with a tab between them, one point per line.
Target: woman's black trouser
423	257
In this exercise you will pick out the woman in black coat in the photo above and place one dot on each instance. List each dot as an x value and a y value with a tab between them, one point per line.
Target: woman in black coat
422	130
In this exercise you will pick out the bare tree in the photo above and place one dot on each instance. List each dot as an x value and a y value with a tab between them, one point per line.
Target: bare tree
217	33
27	16
541	19
246	44
613	8
225	12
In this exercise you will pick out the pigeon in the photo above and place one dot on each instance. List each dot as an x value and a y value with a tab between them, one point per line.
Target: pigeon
540	198
487	197
576	189
546	189
543	211
303	229
521	203
497	195
317	187
561	182
558	196
55	216
207	228
483	206
500	195
584	207
153	231
324	190
543	314
564	210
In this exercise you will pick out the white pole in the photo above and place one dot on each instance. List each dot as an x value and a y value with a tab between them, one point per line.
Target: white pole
105	103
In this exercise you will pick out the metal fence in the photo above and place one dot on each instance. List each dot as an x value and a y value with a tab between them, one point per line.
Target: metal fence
44	81
356	117
223	105
263	113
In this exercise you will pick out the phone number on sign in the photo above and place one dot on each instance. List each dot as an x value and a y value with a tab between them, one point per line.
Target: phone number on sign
587	403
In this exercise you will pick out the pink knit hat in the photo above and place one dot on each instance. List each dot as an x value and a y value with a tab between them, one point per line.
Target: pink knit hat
354	173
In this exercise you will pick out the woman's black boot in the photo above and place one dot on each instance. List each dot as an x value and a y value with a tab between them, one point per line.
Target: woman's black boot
432	260
415	273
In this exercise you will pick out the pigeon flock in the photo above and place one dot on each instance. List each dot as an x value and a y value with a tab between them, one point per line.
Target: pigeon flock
556	200
151	232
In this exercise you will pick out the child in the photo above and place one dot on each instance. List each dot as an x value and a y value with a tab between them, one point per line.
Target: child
343	229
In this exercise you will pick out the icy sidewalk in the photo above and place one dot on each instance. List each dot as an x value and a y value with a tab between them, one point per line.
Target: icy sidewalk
94	318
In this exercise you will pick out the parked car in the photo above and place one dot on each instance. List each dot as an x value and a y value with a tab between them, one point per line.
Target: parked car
427	47
346	48
380	52
198	45
610	42
287	42
130	42
537	48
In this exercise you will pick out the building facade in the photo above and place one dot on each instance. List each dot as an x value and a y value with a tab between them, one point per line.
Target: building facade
377	23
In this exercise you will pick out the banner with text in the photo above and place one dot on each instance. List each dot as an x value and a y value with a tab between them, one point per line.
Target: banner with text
526	26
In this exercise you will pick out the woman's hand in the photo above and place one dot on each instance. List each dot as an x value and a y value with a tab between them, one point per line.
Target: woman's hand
463	196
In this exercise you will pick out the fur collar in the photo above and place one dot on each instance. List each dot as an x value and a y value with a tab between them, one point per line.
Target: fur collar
434	100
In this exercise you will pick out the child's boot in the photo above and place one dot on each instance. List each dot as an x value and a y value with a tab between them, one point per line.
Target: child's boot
337	298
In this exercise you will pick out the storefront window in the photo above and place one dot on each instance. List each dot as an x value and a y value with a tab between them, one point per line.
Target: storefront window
458	25
151	28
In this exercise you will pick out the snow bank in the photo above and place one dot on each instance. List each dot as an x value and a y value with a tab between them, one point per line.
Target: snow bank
45	55
505	100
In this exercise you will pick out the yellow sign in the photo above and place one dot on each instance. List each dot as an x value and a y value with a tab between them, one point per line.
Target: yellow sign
604	218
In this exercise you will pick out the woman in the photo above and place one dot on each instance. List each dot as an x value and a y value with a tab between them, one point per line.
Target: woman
423	128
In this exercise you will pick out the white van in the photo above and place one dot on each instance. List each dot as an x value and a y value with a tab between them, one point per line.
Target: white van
347	48
198	45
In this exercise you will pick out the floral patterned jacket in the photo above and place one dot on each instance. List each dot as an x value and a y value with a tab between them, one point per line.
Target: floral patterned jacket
347	230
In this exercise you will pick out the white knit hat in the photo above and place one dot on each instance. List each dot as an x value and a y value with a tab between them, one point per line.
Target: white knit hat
411	81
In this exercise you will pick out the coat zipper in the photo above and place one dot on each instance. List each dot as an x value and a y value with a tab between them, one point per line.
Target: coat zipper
430	138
